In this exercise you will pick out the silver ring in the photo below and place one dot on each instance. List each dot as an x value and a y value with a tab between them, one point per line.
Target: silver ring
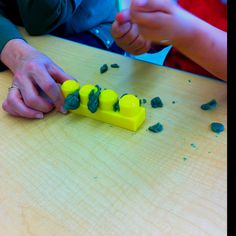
12	87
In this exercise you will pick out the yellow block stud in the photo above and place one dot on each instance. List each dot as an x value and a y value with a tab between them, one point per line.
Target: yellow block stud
107	99
129	105
69	86
130	115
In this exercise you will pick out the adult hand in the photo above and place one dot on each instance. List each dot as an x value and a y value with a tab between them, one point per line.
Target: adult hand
126	35
35	88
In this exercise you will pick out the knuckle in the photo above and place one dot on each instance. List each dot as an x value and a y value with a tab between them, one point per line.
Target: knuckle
5	106
50	87
18	76
31	101
31	66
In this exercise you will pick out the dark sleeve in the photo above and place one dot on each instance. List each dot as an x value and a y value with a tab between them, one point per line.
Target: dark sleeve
43	16
8	31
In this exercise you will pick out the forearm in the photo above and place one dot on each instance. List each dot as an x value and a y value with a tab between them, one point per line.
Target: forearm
206	46
42	16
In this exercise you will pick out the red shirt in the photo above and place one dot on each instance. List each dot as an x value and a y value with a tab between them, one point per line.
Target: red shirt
215	15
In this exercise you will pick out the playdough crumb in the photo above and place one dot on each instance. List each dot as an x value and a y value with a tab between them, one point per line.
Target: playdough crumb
115	65
210	105
156	102
158	127
116	106
217	127
103	68
142	101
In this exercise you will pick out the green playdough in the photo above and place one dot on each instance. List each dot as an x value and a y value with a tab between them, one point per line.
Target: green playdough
116	106
156	102
72	101
93	99
103	68
158	127
217	127
210	105
123	95
193	145
142	101
115	65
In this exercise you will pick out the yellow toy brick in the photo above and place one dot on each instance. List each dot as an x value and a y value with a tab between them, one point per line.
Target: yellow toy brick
125	112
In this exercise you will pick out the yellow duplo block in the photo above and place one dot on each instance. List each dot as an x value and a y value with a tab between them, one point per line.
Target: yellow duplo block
129	115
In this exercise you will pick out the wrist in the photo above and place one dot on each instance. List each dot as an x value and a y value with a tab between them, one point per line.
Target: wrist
14	52
182	27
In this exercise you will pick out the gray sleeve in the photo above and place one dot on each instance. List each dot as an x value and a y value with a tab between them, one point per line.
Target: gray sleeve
42	16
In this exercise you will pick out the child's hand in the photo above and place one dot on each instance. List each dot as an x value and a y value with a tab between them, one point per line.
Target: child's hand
161	21
126	35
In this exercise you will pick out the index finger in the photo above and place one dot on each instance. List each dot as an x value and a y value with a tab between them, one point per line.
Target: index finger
58	74
44	80
123	16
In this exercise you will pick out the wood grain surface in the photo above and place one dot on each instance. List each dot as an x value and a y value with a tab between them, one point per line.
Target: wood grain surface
68	175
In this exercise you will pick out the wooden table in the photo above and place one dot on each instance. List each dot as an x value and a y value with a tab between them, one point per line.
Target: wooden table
69	175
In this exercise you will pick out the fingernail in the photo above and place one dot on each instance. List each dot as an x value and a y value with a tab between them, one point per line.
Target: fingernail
63	110
140	3
39	116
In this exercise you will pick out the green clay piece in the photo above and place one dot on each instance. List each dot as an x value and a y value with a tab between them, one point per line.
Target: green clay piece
156	102
173	102
72	101
193	145
158	127
115	65
93	99
210	105
217	127
103	68
185	158
142	101
123	95
116	106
